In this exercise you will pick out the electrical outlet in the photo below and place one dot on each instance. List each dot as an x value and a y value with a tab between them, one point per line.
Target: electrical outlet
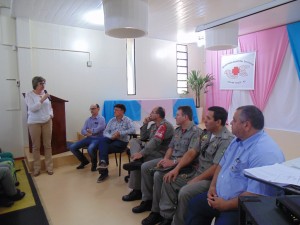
89	63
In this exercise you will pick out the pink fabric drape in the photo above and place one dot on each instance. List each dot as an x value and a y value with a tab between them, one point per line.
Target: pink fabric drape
270	46
215	96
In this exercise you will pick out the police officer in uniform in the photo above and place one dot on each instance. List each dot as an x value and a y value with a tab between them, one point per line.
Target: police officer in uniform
213	143
186	138
158	137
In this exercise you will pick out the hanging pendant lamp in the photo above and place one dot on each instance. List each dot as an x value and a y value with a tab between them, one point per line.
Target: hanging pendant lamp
222	37
126	18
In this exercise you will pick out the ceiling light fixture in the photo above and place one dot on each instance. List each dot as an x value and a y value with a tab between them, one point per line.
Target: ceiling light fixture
237	16
222	34
125	18
222	37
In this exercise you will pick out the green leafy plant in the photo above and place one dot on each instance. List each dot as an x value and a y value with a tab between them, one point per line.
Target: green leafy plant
199	83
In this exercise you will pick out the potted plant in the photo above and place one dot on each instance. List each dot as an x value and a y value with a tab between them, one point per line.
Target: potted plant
199	83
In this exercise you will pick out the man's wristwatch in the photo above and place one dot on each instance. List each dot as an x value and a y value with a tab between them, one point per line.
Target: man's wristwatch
175	161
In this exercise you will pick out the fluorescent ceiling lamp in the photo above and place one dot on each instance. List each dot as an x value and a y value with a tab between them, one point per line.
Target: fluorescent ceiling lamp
95	17
222	34
126	18
243	14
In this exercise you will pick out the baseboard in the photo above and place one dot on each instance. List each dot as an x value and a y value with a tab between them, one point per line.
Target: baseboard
65	158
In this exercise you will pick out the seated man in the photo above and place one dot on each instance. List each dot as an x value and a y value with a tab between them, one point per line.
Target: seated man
8	191
115	136
186	138
92	129
7	160
213	144
159	135
252	147
6	156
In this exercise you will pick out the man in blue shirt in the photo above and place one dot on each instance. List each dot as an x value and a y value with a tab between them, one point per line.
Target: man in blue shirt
92	130
115	136
252	147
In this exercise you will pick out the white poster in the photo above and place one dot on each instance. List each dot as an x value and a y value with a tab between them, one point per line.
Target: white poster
237	71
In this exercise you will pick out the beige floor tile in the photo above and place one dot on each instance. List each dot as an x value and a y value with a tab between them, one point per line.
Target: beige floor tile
73	197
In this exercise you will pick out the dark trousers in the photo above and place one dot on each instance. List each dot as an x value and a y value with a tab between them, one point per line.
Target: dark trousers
106	145
199	212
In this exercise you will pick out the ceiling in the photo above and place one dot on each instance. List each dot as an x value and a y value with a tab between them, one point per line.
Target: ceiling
167	18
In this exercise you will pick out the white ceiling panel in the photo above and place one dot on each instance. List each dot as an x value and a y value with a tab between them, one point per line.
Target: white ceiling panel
167	18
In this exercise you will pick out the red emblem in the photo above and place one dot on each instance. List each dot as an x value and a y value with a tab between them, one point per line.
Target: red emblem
161	131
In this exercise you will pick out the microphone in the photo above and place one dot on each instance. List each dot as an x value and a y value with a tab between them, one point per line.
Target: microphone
48	96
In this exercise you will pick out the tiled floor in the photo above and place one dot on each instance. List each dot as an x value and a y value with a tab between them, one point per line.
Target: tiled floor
73	197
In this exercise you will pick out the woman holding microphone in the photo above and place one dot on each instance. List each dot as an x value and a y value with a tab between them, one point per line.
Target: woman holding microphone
40	114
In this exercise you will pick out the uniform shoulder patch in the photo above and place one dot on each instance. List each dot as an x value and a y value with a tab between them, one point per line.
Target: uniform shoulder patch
161	131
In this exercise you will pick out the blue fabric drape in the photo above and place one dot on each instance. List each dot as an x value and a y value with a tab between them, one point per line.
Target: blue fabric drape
189	102
133	109
294	38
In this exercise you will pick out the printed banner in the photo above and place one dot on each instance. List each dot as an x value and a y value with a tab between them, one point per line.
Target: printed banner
237	71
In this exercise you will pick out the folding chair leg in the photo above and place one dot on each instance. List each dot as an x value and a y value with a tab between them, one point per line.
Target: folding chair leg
120	163
116	159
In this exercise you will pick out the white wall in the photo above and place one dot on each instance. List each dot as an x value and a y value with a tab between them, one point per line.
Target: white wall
60	54
156	72
11	138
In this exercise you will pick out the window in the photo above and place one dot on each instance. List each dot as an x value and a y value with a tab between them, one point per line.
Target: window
130	46
182	68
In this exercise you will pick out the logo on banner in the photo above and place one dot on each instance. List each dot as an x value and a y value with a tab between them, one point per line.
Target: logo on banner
237	71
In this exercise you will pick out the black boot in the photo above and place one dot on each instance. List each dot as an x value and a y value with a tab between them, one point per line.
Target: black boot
143	207
135	165
152	219
18	196
133	195
166	222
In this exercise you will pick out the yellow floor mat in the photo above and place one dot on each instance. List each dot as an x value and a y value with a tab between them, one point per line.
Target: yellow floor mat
24	186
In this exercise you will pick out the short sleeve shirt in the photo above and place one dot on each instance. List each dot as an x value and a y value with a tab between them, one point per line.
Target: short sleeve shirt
257	150
183	140
212	149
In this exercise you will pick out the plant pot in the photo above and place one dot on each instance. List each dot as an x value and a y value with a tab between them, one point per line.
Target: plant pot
199	114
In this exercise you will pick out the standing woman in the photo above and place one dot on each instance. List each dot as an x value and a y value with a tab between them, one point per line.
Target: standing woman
40	114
